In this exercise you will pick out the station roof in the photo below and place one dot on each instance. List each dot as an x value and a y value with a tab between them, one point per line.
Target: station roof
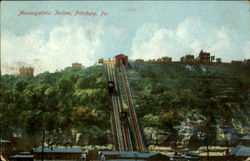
121	55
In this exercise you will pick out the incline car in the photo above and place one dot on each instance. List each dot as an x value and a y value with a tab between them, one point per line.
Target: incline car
111	86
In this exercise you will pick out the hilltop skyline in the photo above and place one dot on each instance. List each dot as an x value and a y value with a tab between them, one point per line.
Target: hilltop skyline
144	30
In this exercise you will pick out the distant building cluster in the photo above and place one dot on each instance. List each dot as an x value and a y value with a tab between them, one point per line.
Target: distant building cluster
202	58
27	71
77	65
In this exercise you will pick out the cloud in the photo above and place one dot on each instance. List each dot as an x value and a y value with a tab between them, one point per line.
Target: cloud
189	37
71	41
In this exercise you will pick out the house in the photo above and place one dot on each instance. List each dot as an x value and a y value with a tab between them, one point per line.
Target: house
166	59
245	140
187	58
58	154
203	57
132	156
121	59
241	152
139	60
22	156
236	62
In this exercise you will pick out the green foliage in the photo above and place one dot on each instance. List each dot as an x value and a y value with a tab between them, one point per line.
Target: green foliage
202	97
167	97
61	102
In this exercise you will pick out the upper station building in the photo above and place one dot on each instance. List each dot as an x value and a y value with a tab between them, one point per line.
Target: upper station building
121	58
27	71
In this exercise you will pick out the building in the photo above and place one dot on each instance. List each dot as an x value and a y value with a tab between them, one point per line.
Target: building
139	60
77	65
100	61
245	140
6	148
182	59
23	156
27	71
241	152
166	59
247	61
236	62
203	57
132	156
121	58
187	58
58	154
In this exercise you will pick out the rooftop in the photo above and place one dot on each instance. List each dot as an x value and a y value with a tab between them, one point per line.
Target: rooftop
241	150
126	154
22	156
245	138
5	141
59	150
121	55
126	160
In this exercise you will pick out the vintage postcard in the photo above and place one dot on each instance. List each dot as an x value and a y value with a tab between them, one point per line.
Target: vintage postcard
125	80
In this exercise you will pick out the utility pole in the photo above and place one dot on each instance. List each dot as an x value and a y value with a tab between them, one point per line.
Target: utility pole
43	145
208	135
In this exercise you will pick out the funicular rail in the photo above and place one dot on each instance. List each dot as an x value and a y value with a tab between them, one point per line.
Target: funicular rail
134	119
121	135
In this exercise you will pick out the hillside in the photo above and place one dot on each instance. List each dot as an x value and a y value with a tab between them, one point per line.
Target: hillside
199	102
64	103
176	104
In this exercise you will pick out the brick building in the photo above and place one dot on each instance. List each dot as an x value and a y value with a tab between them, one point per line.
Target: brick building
203	57
27	71
121	58
77	65
187	58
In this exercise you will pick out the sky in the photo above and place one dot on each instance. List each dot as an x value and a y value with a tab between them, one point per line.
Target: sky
142	29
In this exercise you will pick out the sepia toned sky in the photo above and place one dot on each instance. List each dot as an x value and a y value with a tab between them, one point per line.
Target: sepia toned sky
141	29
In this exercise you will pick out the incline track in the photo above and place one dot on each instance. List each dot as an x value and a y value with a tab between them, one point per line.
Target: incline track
121	135
135	123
